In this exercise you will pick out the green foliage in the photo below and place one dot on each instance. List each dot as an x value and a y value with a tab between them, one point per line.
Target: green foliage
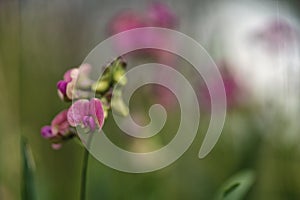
236	187
28	186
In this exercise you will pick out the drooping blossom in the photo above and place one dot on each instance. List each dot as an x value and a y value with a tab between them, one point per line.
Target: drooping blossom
87	114
58	130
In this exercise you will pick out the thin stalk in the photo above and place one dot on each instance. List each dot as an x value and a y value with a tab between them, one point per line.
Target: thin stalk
85	168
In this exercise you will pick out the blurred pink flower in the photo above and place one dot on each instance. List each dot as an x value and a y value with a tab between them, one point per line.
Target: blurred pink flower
160	15
232	89
157	15
125	21
87	114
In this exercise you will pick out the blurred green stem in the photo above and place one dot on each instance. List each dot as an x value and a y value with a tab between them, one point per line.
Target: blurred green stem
84	173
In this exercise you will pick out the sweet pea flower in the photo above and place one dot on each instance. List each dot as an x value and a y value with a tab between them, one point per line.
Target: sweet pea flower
79	76
156	15
58	130
65	87
60	124
125	21
160	15
87	114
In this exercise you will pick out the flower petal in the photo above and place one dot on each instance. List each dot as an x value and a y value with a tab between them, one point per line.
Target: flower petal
97	111
46	132
77	111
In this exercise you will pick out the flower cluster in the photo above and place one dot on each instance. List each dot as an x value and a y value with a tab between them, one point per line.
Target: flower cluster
86	113
156	15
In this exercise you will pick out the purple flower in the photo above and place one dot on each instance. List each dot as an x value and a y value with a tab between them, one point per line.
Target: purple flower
65	87
46	132
59	129
87	114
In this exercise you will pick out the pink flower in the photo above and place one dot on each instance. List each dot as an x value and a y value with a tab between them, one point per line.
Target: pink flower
157	15
87	114
65	87
59	129
160	15
60	124
232	89
125	21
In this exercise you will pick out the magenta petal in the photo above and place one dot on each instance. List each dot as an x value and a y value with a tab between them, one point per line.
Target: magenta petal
46	132
62	86
77	111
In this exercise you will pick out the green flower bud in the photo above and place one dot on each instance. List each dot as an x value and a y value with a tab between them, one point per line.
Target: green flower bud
119	77
101	86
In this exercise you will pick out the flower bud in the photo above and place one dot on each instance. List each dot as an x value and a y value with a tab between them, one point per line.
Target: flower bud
119	77
101	86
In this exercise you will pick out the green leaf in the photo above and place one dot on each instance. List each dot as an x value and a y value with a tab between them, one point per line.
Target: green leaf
28	168
236	187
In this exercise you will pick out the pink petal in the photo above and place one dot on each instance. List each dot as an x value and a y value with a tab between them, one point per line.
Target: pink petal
67	75
77	111
60	123
96	110
60	118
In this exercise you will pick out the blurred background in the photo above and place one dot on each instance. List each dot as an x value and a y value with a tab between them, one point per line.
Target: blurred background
254	43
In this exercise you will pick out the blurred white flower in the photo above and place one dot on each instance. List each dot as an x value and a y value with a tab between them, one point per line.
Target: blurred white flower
261	40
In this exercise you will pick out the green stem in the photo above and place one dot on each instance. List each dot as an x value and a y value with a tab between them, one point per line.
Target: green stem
84	169
84	174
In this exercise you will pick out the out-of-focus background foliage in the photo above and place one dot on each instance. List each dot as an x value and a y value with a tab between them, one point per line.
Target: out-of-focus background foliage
40	40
